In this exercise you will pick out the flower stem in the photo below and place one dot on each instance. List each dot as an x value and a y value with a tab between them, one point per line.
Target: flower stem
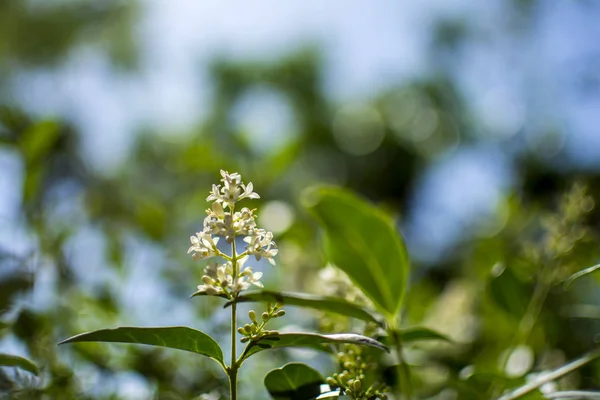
233	368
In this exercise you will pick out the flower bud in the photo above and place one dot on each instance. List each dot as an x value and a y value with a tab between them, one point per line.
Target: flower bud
218	209
356	385
248	328
331	381
208	280
241	331
265	316
252	315
245	339
279	313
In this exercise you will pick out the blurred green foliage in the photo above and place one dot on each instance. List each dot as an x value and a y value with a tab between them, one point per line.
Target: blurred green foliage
477	294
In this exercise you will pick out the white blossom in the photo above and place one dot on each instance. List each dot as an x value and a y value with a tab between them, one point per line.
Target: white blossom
253	277
261	244
233	190
228	279
243	222
203	246
218	279
221	223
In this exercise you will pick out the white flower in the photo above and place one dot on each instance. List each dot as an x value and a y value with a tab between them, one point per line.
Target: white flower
203	246
218	222
218	225
233	190
248	192
218	278
223	279
261	244
253	278
215	195
243	222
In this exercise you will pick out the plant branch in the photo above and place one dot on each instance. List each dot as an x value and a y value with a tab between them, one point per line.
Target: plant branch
403	368
233	368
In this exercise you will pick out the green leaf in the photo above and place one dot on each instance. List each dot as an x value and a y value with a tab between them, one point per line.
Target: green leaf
363	242
199	293
294	381
419	333
311	340
8	360
174	337
579	274
323	303
552	376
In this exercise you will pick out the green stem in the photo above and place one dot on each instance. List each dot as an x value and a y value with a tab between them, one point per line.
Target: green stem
527	322
403	368
233	368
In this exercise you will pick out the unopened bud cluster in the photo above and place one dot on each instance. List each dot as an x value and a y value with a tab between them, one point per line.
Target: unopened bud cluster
351	380
565	228
228	279
256	329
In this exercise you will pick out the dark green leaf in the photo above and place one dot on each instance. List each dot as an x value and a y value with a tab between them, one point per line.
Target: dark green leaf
199	293
332	304
311	340
7	360
294	381
174	337
418	333
579	274
363	242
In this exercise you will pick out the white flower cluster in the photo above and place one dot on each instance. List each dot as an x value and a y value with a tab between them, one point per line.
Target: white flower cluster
228	278
233	190
218	279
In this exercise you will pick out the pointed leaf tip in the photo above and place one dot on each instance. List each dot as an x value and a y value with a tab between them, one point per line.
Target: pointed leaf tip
174	337
9	360
364	243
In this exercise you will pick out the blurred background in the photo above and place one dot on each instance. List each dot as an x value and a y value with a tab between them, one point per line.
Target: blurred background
464	120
